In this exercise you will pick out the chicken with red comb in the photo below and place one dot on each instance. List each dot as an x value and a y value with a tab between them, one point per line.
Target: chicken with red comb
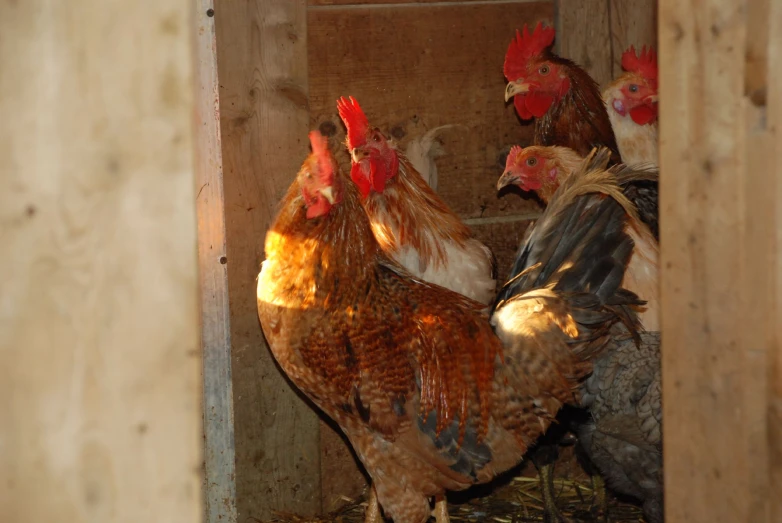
564	100
631	100
412	223
430	397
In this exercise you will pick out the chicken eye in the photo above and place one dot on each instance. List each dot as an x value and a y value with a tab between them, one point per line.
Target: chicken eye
633	88
532	162
544	70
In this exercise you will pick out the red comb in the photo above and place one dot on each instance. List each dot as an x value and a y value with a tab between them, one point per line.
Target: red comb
355	120
526	46
645	64
320	148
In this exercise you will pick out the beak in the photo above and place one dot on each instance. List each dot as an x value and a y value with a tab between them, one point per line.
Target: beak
506	179
652	98
328	193
357	155
514	88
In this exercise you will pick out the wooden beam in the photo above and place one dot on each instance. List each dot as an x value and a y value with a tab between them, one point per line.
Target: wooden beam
584	36
262	62
99	359
719	262
219	447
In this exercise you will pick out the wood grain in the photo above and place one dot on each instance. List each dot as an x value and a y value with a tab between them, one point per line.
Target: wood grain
99	349
633	22
262	59
219	444
718	263
584	36
415	69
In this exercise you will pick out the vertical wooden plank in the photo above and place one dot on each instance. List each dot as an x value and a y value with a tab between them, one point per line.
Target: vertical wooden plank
584	36
99	359
262	63
633	22
717	263
773	73
219	450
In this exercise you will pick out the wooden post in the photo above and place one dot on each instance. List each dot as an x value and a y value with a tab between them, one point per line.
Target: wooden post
720	258
219	448
262	59
99	358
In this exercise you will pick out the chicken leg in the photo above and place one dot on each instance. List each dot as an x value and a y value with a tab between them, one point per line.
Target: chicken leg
440	511
551	511
372	515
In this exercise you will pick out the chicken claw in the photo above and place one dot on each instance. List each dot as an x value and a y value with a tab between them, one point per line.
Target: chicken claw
372	515
440	511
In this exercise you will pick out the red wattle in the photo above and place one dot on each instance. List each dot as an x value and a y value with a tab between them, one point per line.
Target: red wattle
538	104
519	102
643	114
360	179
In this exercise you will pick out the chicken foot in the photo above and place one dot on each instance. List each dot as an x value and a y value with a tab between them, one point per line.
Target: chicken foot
551	511
440	511
372	515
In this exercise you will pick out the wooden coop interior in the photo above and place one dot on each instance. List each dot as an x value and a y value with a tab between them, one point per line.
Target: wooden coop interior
276	69
103	273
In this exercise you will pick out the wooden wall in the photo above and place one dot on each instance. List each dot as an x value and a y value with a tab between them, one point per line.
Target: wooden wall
99	358
721	165
413	66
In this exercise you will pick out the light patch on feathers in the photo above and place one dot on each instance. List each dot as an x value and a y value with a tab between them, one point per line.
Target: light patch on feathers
641	274
514	319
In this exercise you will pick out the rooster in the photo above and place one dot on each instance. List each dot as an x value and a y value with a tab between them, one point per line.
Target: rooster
564	100
631	100
543	169
413	225
428	396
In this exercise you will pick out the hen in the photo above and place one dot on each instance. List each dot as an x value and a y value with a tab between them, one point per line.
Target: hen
413	373
564	100
543	169
624	437
631	100
413	225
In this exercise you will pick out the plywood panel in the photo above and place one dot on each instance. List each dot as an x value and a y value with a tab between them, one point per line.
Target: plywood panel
633	22
99	350
718	263
584	36
415	69
262	66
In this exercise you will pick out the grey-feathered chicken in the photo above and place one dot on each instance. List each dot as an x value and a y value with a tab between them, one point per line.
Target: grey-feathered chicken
624	437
